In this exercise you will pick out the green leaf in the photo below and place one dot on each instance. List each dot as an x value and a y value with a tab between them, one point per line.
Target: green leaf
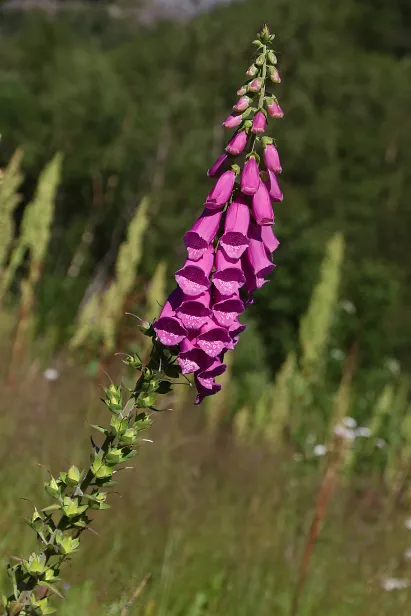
101	470
73	476
51	508
99	428
164	387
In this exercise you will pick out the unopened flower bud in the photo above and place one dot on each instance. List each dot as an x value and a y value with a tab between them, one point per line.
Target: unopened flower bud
242	91
250	178
259	123
272	58
274	74
242	104
237	143
252	71
233	121
274	109
260	60
272	159
255	85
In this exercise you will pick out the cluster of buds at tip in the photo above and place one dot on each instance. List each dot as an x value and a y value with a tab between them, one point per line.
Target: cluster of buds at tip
230	246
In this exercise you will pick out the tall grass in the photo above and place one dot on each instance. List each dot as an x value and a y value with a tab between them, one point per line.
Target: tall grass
99	317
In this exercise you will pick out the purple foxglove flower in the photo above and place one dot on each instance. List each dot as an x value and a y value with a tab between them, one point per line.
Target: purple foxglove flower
192	359
272	159
235	330
237	143
233	121
221	192
169	331
274	110
203	392
194	313
252	282
242	104
269	240
202	233
226	309
255	85
213	339
229	276
205	383
262	208
235	238
273	187
193	278
174	300
218	167
250	177
259	123
260	264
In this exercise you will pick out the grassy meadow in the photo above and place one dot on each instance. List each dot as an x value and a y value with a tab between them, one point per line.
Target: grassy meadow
211	520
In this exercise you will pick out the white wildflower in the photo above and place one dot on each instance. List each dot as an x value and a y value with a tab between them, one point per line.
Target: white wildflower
348	306
344	433
337	354
363	431
392	365
349	422
394	583
51	374
320	450
407	523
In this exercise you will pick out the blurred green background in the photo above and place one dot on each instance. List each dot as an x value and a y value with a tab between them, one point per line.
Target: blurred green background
110	115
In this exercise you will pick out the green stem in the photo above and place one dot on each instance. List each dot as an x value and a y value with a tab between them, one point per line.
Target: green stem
27	577
261	97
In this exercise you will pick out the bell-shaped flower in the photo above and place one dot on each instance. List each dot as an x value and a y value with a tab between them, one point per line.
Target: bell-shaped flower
242	104
262	208
250	177
229	276
169	330
274	110
205	380
195	312
259	123
233	121
194	277
173	301
235	330
272	159
226	309
213	338
273	187
191	358
270	241
217	169
235	240
237	143
260	264
252	282
202	233
221	192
